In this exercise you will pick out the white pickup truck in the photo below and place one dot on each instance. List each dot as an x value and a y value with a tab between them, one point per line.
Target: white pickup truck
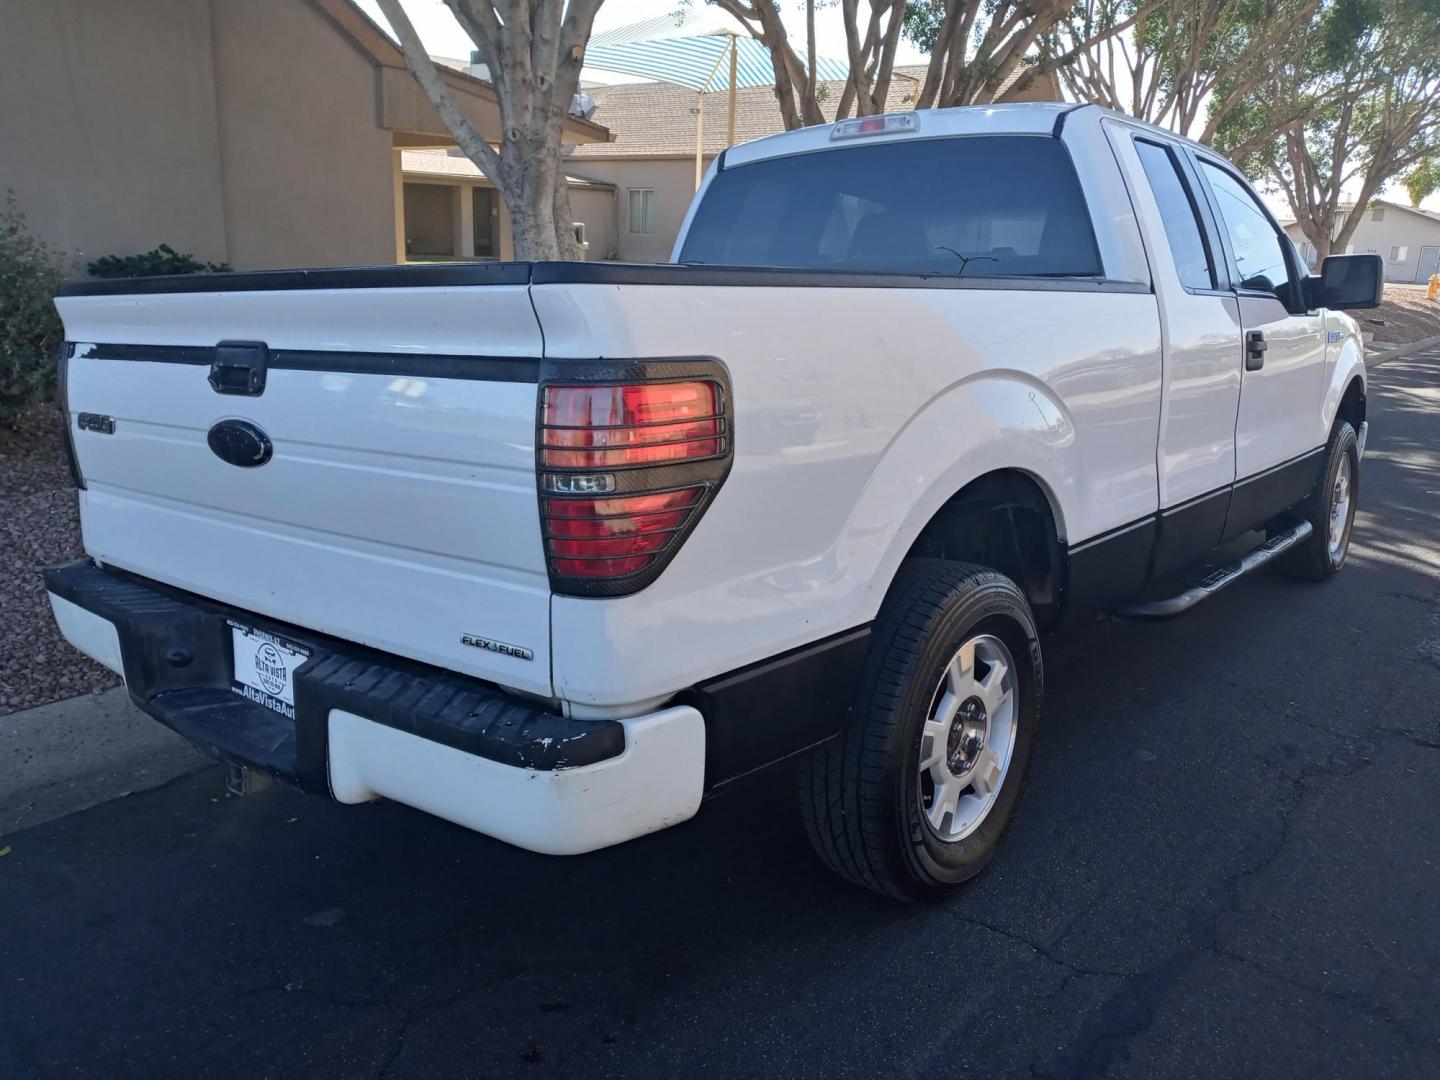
555	551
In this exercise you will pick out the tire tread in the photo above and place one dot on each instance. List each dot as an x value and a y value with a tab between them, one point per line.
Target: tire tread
1310	559
845	789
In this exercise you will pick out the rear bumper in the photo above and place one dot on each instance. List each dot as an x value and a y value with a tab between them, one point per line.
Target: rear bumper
371	725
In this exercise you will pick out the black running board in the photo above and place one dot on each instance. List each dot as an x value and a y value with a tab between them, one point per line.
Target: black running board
1171	606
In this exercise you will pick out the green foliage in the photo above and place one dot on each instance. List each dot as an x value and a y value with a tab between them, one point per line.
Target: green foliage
1422	181
1343	27
924	19
30	330
1363	80
921	26
154	263
1253	132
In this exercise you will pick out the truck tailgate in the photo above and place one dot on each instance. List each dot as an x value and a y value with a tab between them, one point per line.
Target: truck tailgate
398	506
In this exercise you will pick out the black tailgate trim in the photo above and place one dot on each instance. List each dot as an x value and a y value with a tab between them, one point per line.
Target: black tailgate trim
415	365
328	277
176	653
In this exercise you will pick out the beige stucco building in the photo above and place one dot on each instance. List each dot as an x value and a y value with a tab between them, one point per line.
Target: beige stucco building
1406	238
261	133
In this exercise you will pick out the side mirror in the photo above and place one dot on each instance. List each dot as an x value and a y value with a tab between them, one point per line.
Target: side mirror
1347	282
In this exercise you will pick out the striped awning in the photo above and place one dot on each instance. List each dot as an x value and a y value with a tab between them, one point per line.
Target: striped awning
701	62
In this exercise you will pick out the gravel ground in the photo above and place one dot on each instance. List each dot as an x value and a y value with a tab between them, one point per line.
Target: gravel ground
1404	315
39	527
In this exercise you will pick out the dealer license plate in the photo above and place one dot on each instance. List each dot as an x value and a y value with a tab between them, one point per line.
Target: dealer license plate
265	667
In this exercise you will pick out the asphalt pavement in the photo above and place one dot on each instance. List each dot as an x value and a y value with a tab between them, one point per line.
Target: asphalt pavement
1227	863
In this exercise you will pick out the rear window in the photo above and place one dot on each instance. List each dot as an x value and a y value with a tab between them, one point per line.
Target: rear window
978	206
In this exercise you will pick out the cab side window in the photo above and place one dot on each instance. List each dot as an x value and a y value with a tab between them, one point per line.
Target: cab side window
1257	250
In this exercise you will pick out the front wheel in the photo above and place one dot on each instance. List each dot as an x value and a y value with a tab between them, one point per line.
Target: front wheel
1330	509
912	798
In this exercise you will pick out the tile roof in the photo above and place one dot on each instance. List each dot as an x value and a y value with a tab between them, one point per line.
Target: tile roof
655	119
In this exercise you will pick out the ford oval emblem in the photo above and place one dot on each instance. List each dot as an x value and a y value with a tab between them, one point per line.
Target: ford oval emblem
240	443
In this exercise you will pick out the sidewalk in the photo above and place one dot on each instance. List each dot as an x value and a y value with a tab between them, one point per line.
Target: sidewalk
1395	352
76	753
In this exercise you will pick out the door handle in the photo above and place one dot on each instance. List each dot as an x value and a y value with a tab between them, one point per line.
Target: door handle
1255	347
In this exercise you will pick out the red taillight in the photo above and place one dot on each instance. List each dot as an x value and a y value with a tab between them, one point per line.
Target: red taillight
617	427
625	469
601	518
601	568
594	537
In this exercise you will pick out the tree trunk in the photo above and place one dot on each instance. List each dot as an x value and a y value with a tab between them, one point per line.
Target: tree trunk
532	216
534	50
567	247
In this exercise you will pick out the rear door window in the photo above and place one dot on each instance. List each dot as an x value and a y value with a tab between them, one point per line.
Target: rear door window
978	206
1177	213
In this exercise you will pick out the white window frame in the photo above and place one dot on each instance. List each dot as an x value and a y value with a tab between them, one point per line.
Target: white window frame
1399	253
645	226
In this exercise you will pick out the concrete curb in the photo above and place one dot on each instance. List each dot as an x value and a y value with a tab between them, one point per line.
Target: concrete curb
83	751
1376	359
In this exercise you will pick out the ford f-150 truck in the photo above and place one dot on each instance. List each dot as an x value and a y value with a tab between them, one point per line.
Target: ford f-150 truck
555	551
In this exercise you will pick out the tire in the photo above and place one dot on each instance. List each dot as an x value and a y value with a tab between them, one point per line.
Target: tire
875	813
1322	554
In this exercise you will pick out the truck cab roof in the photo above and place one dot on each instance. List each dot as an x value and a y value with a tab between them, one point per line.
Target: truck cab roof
1017	118
1020	118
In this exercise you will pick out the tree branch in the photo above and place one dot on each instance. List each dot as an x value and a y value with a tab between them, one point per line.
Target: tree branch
428	76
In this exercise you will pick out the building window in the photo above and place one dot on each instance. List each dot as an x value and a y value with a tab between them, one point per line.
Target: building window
430	221
642	210
1399	253
1377	213
485	227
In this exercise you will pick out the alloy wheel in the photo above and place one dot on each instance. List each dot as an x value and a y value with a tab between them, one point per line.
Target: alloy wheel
968	738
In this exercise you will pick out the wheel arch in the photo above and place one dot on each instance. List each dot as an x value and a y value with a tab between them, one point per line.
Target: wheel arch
1006	520
1345	393
1004	435
1352	403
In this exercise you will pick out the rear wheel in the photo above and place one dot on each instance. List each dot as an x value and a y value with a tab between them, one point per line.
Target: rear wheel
911	800
1330	509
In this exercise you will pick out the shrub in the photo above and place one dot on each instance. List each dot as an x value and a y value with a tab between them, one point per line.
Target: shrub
30	330
161	260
